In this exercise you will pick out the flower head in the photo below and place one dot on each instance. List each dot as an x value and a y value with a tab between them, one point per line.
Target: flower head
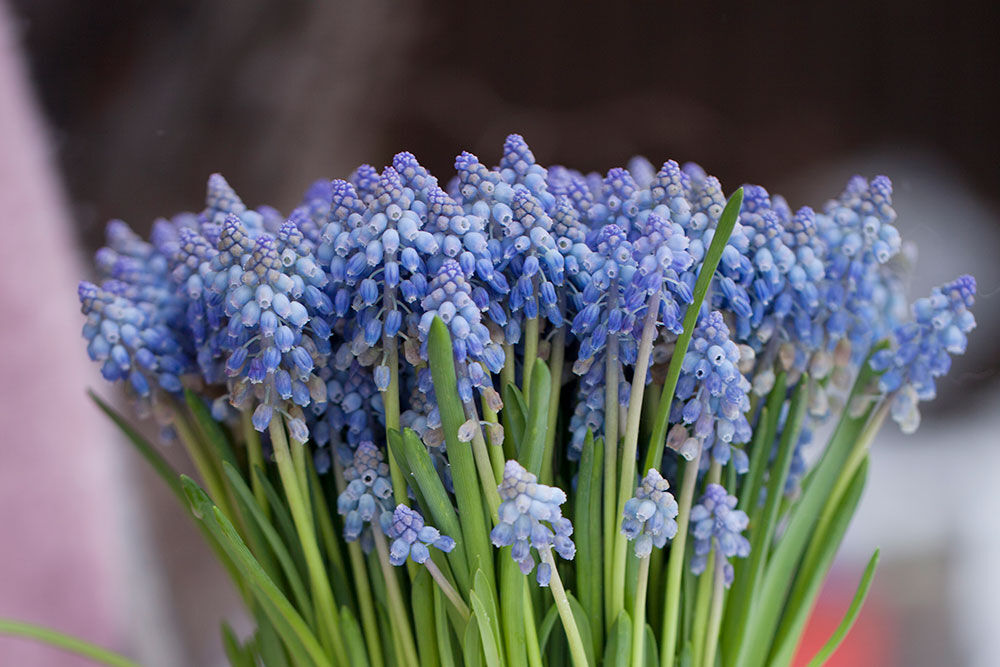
920	350
525	509
649	515
715	523
411	538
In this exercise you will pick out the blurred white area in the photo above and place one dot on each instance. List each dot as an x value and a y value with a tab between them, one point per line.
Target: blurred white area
931	504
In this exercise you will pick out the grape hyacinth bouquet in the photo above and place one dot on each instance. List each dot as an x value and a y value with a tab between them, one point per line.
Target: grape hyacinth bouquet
525	416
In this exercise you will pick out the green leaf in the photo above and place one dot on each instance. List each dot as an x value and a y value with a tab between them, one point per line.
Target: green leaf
472	645
532	450
512	593
283	519
353	638
64	642
436	502
472	513
442	633
159	464
485	623
515	414
851	615
210	429
236	653
762	530
251	509
548	624
422	602
618	651
587	512
268	642
812	573
651	652
727	221
290	625
483	589
583	625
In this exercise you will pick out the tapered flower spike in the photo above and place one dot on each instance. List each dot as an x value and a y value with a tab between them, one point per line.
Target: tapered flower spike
412	539
716	524
368	495
649	515
712	396
921	349
525	509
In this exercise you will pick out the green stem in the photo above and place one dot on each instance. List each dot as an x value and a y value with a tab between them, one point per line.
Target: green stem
610	471
255	459
705	579
675	565
484	465
701	605
715	615
65	642
496	451
206	468
447	589
530	632
576	648
530	352
326	610
401	620
556	359
626	483
639	615
390	401
509	370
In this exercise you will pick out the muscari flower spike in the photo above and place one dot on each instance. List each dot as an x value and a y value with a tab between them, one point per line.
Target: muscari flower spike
368	495
278	332
920	350
716	523
526	506
412	539
649	515
712	394
449	297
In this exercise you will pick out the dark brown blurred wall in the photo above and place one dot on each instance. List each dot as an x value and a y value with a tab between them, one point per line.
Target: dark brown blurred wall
147	98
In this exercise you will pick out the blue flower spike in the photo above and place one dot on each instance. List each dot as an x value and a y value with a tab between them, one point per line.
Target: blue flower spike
525	509
649	515
716	523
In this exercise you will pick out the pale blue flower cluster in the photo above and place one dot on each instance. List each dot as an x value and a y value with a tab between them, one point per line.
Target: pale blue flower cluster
920	350
649	515
712	395
411	538
368	496
717	524
525	509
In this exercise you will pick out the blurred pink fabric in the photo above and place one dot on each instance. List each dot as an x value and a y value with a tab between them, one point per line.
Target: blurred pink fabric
60	547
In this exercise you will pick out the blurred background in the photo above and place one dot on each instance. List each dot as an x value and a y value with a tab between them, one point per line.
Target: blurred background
122	109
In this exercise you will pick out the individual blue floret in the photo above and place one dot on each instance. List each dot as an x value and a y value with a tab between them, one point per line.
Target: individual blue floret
715	523
525	509
412	539
649	515
920	350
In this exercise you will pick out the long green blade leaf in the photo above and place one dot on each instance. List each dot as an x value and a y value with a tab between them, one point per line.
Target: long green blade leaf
851	615
472	512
